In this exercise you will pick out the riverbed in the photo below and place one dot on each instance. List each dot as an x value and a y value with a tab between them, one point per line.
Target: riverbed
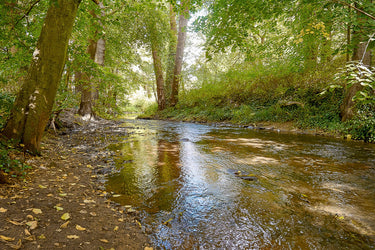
186	182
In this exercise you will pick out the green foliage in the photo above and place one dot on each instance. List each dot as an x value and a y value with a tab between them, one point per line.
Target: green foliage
20	25
6	103
362	127
110	87
9	165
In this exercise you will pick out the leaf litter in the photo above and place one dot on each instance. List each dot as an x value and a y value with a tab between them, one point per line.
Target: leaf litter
60	180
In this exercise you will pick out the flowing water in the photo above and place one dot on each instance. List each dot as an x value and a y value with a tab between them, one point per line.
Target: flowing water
310	193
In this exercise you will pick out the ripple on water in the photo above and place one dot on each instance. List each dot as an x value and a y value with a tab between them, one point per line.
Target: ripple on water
311	192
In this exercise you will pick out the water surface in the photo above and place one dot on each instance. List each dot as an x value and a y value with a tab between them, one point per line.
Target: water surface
311	192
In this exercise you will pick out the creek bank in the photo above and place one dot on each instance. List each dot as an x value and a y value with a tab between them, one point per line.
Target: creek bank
61	203
279	127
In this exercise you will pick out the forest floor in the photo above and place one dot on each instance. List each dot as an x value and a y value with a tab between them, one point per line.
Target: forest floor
61	203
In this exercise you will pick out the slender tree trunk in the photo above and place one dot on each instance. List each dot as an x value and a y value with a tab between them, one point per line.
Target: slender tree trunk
159	78
99	59
35	100
348	37
182	24
86	86
89	92
359	54
171	54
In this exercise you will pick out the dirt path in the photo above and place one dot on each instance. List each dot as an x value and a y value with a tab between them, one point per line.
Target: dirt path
61	204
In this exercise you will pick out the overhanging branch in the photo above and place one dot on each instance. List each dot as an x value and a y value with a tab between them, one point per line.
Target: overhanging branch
357	9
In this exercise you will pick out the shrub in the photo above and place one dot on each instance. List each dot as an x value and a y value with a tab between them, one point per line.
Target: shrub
8	165
6	103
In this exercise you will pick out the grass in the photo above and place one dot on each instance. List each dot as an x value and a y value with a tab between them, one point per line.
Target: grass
268	96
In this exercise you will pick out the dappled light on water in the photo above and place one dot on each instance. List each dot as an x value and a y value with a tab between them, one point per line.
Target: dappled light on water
191	184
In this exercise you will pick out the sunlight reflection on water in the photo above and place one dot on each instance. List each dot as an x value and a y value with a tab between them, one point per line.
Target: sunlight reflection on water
311	192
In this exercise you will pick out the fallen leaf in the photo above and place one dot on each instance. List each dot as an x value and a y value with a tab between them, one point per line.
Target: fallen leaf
93	214
79	228
131	210
30	238
167	222
32	224
116	195
89	201
65	225
104	240
16	197
72	237
340	217
5	238
16	246
63	194
115	229
58	208
3	210
15	222
42	237
65	216
37	211
41	186
27	232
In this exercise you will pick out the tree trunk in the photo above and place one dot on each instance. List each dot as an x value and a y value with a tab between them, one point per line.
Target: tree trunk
89	92
159	78
35	100
86	86
171	54
182	24
359	54
100	52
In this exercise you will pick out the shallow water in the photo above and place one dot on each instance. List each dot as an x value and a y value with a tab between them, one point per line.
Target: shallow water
310	193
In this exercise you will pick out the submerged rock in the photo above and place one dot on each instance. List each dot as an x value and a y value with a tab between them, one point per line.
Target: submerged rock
243	175
248	178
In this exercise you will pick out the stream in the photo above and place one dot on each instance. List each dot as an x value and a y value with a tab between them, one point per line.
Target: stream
184	179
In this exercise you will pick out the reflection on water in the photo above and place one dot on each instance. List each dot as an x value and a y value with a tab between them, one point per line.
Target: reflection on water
311	193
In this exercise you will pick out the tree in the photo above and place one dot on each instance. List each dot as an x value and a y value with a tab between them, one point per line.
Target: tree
182	25
171	53
361	53
96	52
35	100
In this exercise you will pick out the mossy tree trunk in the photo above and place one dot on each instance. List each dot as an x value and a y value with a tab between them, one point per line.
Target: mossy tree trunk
34	102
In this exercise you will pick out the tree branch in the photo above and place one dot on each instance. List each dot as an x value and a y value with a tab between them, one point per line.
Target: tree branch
27	12
357	9
96	1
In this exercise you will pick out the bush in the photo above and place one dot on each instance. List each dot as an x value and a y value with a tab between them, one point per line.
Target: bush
362	127
6	103
9	165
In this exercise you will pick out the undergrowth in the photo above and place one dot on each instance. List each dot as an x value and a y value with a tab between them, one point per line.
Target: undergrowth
9	165
272	96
